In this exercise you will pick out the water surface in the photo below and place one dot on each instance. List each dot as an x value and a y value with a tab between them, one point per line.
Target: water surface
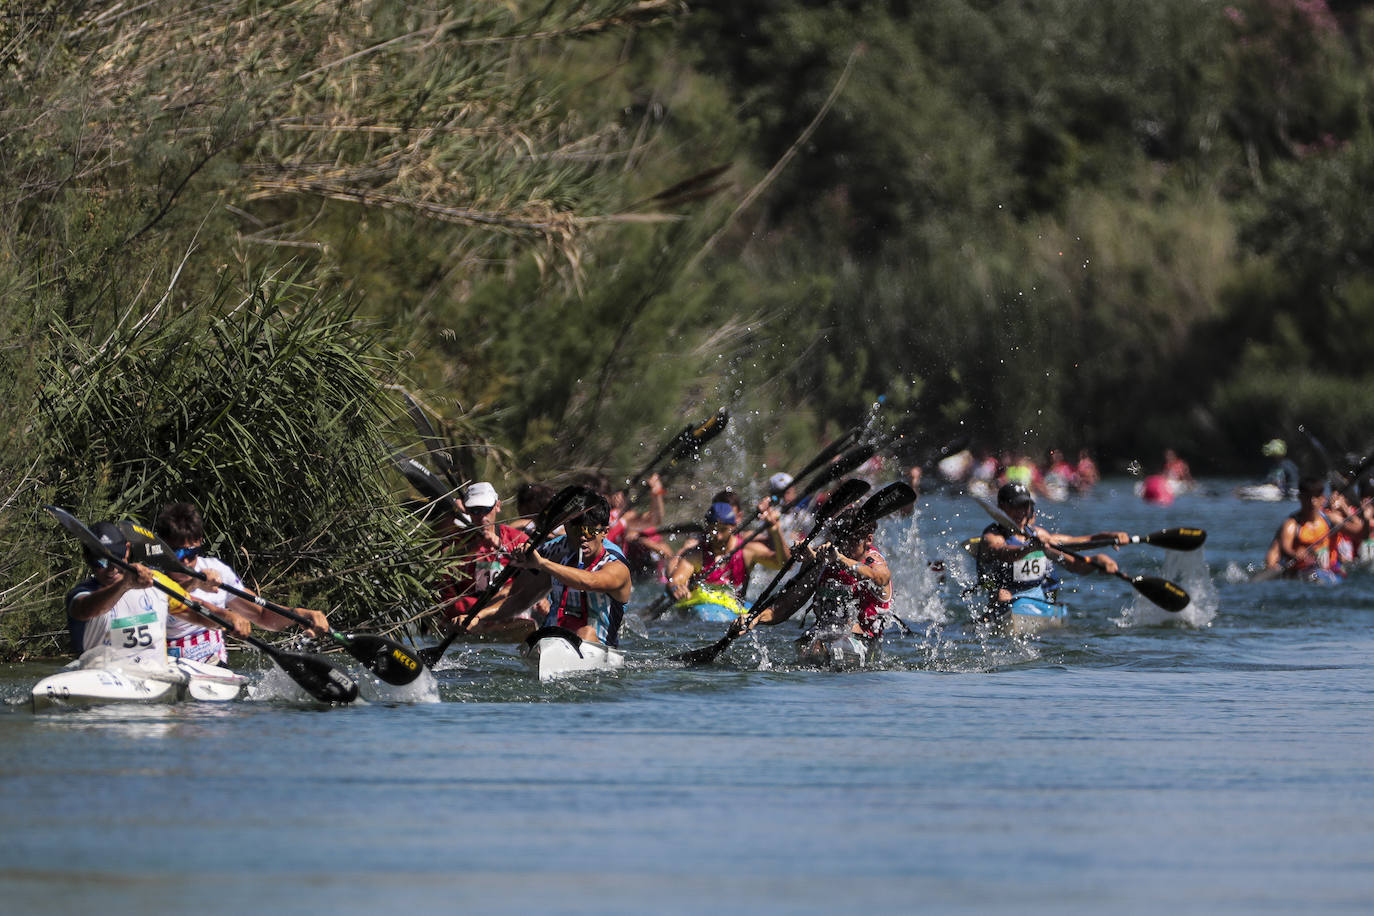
1218	760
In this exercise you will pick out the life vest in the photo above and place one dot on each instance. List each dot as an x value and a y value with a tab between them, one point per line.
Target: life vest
572	608
733	572
1314	542
1031	571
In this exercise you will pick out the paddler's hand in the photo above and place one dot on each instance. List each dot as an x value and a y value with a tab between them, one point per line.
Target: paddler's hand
238	624
526	559
212	582
1120	537
769	513
139	576
319	624
678	590
738	627
1106	564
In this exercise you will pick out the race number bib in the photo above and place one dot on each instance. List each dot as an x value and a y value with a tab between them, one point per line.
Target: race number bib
138	636
1033	567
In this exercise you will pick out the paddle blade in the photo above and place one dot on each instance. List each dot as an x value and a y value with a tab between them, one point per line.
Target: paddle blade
706	654
317	677
386	658
842	496
1176	538
711	428
892	498
1161	592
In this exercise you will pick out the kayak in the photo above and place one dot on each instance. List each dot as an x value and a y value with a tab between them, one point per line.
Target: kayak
97	684
1027	615
718	605
1262	492
555	652
838	651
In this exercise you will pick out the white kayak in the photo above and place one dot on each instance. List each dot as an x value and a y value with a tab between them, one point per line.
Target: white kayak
554	652
95	684
839	651
1263	492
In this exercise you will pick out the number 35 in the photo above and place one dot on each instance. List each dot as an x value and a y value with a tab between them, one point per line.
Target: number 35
139	637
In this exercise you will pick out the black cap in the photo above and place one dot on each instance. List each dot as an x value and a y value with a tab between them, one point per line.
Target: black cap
110	537
1014	494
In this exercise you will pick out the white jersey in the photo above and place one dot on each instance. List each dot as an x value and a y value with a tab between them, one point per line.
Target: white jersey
134	629
190	640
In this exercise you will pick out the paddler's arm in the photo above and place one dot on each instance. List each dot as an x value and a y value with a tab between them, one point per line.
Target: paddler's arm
114	582
1287	541
757	553
1069	540
612	579
871	566
1075	563
267	620
683	567
238	624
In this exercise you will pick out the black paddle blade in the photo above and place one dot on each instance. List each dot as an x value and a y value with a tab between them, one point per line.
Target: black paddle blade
842	496
706	654
710	428
318	677
891	498
1162	592
1176	538
386	658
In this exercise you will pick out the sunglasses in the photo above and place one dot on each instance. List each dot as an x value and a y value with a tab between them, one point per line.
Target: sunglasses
587	529
188	553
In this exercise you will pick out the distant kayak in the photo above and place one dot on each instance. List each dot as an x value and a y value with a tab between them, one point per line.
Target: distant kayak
719	605
1262	492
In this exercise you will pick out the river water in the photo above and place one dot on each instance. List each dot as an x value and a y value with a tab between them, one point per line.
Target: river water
1214	761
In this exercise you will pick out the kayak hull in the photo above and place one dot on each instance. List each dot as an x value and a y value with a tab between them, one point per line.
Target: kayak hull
99	686
553	652
1028	615
837	651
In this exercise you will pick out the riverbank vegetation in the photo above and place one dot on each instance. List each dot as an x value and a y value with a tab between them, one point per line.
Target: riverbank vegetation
235	231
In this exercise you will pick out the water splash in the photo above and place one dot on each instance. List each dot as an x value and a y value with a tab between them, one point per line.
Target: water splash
1188	569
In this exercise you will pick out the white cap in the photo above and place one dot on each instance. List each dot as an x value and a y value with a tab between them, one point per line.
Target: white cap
779	482
480	495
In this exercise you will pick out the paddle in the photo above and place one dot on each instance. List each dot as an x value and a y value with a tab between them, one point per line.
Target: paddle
434	443
1161	592
386	658
845	494
567	504
830	451
1168	539
316	676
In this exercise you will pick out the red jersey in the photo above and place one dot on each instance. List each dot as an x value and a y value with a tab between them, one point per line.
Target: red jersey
478	562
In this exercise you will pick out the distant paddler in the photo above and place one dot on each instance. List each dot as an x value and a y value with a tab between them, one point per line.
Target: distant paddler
1018	570
707	577
478	556
1305	545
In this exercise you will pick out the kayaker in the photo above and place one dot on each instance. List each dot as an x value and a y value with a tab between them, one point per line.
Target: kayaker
1304	546
183	528
1009	563
123	612
478	555
584	576
847	578
723	559
1284	472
